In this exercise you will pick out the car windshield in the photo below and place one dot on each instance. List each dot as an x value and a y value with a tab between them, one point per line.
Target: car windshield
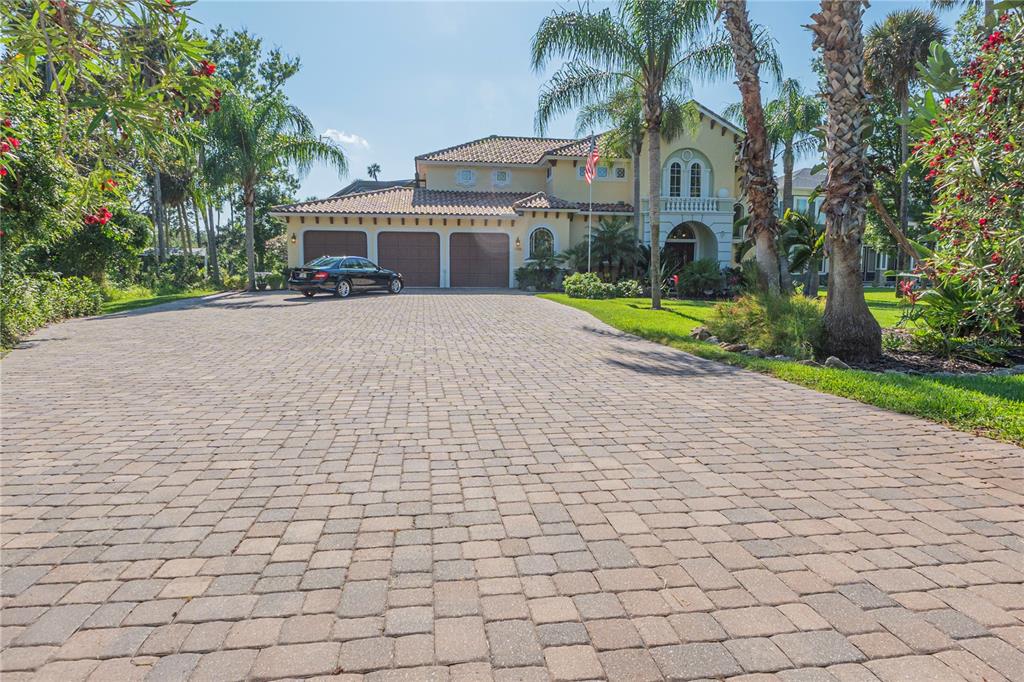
323	262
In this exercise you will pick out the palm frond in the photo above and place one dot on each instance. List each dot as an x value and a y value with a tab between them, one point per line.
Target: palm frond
575	84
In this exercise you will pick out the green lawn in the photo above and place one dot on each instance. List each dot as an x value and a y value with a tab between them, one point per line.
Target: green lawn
129	302
993	406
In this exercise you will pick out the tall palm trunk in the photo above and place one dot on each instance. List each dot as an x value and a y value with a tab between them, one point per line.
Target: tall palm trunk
249	199
851	332
759	178
654	201
788	158
638	226
211	240
159	219
811	278
905	180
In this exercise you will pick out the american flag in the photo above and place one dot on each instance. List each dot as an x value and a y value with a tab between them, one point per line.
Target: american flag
591	170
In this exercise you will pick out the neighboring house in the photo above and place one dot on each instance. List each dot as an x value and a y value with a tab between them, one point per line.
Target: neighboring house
805	182
360	186
481	209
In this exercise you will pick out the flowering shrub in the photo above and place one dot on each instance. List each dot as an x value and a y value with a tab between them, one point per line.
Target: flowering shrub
972	132
628	288
587	285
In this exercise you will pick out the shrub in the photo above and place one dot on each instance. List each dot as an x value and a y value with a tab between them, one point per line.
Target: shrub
629	288
27	303
700	276
969	125
774	323
587	285
541	274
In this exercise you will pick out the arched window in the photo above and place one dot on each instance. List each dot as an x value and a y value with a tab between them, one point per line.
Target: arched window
682	232
542	243
675	180
695	180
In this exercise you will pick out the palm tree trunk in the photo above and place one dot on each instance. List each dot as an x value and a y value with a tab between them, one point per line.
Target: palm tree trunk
811	278
905	180
850	331
211	241
158	218
759	178
787	176
637	217
990	10
654	208
249	199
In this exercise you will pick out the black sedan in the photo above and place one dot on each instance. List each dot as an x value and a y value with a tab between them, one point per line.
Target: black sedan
341	275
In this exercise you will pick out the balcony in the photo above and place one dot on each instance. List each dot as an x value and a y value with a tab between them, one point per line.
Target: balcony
694	204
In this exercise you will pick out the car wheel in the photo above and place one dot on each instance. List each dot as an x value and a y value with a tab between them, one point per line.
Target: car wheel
343	289
395	286
308	294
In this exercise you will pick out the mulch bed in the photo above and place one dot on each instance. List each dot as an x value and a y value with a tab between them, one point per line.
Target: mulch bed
906	361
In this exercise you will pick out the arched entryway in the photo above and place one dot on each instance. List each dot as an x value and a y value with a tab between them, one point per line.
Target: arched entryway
681	245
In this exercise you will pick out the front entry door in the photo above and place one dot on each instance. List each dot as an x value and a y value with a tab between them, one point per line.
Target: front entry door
680	253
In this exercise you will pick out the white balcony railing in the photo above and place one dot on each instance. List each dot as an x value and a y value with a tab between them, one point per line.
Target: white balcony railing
694	204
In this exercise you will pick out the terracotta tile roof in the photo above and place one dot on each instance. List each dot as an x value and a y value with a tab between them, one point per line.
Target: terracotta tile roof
576	148
498	149
605	208
419	201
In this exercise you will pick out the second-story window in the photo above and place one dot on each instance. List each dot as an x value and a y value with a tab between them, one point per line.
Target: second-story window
465	177
675	180
695	180
501	178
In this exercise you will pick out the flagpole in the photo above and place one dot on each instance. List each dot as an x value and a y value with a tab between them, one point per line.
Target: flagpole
590	224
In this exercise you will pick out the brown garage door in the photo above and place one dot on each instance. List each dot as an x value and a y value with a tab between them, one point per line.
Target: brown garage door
417	255
479	259
316	243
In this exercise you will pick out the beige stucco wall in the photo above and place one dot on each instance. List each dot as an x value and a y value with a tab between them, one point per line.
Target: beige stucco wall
521	178
567	184
719	149
518	227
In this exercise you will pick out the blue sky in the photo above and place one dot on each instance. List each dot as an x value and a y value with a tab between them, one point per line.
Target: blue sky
395	79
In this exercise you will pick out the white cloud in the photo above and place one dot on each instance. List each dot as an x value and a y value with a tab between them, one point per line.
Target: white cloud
342	137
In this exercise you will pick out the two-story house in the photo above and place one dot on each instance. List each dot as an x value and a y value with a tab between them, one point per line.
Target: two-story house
477	211
874	264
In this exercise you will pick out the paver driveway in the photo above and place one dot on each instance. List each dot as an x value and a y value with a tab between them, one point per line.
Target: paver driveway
441	486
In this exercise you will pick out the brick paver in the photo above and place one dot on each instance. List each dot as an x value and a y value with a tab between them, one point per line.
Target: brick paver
442	486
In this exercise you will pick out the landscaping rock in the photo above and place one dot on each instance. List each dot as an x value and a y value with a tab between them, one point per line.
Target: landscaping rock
700	333
734	347
1017	369
712	339
809	363
835	363
781	357
755	353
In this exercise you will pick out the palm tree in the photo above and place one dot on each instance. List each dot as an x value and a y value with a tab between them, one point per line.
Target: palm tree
803	238
759	173
373	170
850	331
614	246
892	50
792	119
622	110
988	5
250	138
650	45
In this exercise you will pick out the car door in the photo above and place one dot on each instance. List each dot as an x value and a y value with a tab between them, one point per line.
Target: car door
359	273
350	270
376	276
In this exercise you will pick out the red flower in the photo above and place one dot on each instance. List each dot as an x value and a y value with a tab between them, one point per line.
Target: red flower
15	142
1008	147
7	122
4	147
1014	280
993	200
3	171
997	258
110	184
